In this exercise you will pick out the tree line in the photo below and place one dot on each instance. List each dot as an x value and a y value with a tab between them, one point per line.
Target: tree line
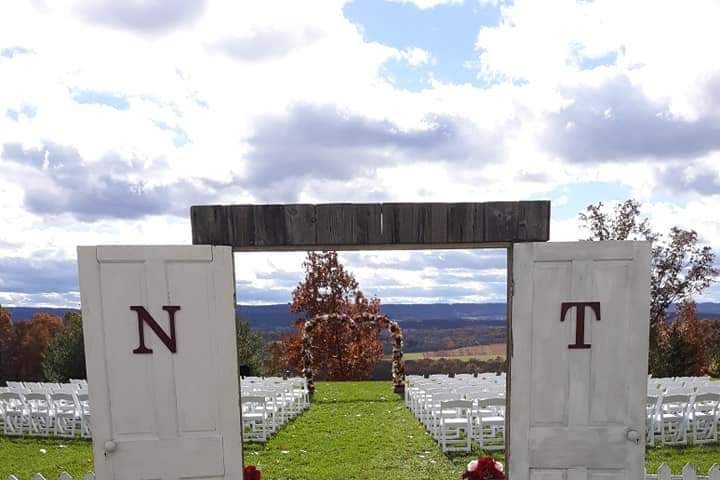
45	348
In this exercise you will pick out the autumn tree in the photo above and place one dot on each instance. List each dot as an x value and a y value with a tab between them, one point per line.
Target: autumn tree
65	357
682	344
8	341
681	267
339	352
33	339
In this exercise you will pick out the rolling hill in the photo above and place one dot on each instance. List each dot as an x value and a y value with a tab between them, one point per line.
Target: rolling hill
426	316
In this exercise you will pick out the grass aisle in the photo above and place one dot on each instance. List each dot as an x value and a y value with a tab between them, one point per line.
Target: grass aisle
354	430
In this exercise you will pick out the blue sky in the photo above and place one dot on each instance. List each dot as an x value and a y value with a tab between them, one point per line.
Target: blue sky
115	118
446	32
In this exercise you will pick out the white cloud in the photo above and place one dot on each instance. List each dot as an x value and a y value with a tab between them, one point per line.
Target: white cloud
416	56
427	4
200	85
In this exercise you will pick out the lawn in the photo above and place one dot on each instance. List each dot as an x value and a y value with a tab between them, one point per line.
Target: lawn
27	456
354	430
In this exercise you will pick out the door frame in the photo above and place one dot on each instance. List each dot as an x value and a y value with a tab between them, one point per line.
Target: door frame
381	226
508	305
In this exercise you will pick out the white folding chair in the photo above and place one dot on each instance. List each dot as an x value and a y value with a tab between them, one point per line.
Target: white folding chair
652	420
273	408
15	419
84	413
674	415
38	414
490	420
455	425
255	418
705	412
66	410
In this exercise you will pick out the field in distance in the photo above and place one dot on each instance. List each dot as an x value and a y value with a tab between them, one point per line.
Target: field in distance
480	352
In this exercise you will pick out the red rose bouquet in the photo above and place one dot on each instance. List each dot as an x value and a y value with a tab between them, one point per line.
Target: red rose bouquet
251	473
484	468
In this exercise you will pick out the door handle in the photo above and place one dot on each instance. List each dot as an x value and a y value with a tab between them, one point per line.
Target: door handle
110	446
633	436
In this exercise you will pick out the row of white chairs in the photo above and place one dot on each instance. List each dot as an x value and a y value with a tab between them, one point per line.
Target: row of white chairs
682	410
43	414
677	418
73	386
682	385
459	410
269	403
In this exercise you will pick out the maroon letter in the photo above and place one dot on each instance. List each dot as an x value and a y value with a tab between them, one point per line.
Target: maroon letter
144	316
580	320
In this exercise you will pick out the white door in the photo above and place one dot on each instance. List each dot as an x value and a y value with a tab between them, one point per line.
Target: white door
161	361
579	379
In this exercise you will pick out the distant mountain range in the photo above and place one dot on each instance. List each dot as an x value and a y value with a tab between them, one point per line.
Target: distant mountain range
271	317
432	315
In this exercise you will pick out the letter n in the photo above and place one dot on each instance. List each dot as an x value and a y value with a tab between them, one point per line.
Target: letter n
144	317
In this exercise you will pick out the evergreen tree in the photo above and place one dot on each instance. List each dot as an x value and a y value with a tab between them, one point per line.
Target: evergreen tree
65	357
249	348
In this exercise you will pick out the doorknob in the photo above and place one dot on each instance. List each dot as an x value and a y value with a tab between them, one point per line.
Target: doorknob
633	435
110	447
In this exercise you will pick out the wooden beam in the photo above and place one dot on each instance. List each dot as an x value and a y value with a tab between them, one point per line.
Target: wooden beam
381	225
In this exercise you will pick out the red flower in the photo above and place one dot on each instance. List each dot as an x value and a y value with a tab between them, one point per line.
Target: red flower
484	468
251	473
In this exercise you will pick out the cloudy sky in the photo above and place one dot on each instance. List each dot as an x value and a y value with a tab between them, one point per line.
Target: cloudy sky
115	117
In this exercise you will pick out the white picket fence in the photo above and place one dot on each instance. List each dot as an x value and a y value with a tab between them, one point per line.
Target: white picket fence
688	473
663	473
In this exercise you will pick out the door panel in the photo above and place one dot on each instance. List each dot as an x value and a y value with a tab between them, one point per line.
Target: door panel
578	388
158	413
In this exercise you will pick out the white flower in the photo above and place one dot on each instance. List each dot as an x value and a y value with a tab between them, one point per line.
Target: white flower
472	466
499	466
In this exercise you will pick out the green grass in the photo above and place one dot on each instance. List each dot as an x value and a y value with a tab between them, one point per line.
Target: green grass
703	457
24	457
354	430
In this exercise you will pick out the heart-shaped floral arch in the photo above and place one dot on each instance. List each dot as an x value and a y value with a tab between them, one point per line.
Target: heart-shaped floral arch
381	321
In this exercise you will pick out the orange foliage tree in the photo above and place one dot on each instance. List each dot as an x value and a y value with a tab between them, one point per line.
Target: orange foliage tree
33	338
682	344
8	340
339	352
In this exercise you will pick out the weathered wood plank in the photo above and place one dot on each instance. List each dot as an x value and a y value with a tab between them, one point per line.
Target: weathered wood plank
533	220
500	220
240	224
461	222
270	225
335	224
407	222
300	224
366	225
